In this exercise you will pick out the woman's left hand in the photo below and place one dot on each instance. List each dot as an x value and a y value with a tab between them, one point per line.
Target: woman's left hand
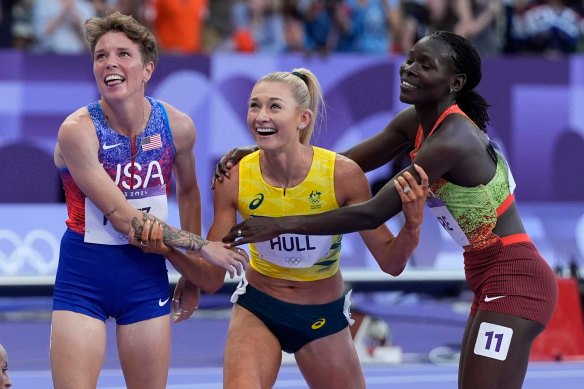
151	239
253	229
413	196
185	300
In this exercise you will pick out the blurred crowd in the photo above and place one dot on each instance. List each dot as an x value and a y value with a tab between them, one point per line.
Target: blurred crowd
542	27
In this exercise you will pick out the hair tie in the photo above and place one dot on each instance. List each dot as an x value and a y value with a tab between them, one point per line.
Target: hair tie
300	76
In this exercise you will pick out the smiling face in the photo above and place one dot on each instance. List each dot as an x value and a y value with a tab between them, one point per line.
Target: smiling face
5	381
427	75
273	115
118	66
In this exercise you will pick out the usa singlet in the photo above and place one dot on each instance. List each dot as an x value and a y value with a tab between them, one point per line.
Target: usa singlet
290	256
140	167
99	274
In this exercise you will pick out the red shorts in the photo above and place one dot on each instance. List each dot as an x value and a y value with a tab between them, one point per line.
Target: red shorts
512	279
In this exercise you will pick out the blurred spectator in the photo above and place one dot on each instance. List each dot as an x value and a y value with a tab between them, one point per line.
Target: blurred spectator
293	24
102	7
372	24
178	24
422	17
514	28
396	19
6	23
258	26
216	31
134	8
478	22
22	24
328	26
59	25
552	28
549	27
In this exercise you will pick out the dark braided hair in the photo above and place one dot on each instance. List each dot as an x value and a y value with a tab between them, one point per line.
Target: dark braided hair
466	60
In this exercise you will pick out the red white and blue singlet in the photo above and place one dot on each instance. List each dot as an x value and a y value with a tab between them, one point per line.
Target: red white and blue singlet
141	167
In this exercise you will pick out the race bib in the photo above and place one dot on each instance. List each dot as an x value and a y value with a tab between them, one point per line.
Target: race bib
98	228
447	221
294	251
493	341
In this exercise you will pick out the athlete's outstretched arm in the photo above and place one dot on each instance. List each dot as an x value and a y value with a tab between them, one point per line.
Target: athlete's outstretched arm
363	216
196	270
391	252
384	146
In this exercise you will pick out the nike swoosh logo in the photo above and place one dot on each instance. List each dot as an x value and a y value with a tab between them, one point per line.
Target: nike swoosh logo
163	303
107	147
489	299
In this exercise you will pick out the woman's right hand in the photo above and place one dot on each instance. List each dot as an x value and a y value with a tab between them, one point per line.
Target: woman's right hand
234	260
228	160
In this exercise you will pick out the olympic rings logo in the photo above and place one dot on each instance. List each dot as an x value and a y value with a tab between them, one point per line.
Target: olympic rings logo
293	260
39	249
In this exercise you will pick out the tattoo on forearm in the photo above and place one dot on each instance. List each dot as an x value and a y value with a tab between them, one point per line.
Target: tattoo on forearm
170	235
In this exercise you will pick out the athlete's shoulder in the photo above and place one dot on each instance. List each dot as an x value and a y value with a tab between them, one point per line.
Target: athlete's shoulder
78	121
351	185
346	167
456	129
170	109
77	133
181	126
252	157
402	127
323	153
77	116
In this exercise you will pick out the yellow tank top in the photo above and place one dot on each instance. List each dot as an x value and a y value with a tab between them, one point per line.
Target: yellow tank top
290	256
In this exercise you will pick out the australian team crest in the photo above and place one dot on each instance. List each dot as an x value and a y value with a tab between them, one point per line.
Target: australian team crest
314	199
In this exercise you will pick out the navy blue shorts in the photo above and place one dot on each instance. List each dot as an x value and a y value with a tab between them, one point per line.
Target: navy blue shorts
104	281
294	325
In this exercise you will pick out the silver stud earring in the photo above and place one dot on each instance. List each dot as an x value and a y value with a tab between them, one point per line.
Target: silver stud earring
301	127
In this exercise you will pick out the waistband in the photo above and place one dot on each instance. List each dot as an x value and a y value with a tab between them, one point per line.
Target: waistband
515	238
